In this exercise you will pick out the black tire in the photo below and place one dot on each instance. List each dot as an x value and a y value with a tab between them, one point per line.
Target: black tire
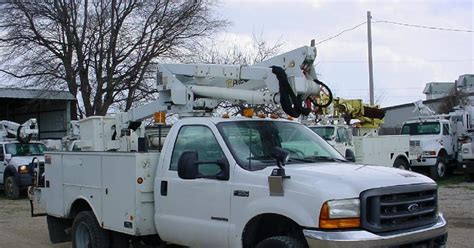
86	230
12	190
401	163
281	242
439	170
469	177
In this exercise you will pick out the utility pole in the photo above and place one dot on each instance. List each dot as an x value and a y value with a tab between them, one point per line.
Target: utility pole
371	70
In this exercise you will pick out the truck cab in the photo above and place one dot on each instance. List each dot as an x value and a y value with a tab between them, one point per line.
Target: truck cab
338	136
16	165
433	143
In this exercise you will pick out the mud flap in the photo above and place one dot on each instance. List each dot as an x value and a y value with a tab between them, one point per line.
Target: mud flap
59	229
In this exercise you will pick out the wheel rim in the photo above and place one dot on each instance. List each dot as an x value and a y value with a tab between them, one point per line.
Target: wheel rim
83	236
441	169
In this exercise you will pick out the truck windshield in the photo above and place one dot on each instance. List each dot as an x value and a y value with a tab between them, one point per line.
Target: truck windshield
252	143
31	149
423	128
324	132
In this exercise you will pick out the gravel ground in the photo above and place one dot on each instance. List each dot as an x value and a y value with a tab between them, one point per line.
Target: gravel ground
18	229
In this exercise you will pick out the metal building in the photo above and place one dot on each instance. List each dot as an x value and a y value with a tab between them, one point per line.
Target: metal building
51	108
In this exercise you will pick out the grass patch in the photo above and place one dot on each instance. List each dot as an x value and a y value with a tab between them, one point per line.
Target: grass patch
453	179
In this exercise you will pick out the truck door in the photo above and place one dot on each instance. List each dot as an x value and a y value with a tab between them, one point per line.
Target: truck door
448	139
341	140
193	212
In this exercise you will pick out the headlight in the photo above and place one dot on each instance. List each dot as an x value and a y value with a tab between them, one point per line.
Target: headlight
429	153
23	169
343	213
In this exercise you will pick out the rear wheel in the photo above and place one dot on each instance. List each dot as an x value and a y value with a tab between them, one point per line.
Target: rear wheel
469	177
281	242
401	163
86	232
438	171
12	190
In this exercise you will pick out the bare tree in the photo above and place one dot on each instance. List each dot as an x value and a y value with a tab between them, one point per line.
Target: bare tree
99	50
454	98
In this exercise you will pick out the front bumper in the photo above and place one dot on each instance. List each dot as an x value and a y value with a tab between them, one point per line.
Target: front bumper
423	162
25	180
432	236
467	166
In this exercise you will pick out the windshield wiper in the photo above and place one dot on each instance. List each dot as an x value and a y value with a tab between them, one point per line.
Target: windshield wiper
325	158
301	160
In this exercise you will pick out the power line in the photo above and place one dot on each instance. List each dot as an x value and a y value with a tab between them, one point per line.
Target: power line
340	33
422	26
396	61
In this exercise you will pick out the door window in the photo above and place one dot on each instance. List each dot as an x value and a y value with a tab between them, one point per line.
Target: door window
201	140
2	155
341	135
445	129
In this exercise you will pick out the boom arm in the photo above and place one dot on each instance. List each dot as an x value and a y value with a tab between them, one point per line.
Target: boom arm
196	89
22	132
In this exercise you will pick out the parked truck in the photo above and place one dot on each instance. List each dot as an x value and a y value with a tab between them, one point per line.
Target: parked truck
230	182
434	141
362	144
17	153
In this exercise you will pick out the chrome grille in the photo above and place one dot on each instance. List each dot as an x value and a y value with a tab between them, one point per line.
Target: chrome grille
399	207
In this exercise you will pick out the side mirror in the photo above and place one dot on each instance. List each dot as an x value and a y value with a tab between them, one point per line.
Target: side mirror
187	165
350	156
8	157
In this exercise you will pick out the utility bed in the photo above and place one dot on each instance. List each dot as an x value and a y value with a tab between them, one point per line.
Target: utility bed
113	183
381	150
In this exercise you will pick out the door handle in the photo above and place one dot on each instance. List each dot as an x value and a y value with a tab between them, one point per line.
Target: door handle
164	188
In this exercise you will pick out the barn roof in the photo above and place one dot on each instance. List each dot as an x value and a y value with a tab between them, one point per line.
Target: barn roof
18	93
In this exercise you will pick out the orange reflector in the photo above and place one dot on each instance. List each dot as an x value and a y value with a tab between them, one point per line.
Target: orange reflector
225	115
274	116
262	115
159	117
248	112
290	118
139	180
325	222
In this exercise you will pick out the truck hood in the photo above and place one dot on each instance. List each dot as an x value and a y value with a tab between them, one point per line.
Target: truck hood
24	160
350	178
427	142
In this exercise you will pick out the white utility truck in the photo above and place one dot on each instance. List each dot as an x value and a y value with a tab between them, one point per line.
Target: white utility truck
362	144
466	156
230	182
372	149
17	153
434	141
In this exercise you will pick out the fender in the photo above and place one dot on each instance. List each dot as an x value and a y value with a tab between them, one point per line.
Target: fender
11	170
81	197
280	206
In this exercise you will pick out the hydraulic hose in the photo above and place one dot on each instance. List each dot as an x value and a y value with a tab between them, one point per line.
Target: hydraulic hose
290	103
20	139
329	93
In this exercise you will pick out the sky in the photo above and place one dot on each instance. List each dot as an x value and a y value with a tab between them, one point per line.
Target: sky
404	58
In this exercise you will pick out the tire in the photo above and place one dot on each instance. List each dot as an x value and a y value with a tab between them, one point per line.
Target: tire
12	190
401	164
86	232
439	170
281	242
469	177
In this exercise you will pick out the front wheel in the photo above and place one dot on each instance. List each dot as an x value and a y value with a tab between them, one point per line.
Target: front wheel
438	171
281	242
12	190
86	232
401	163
